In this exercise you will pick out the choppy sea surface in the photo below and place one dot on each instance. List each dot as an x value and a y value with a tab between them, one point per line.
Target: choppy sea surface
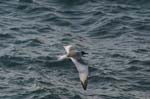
115	33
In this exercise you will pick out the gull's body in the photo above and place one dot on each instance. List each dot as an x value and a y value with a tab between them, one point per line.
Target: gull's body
79	63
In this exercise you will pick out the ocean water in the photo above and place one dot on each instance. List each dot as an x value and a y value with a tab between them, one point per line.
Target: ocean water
115	33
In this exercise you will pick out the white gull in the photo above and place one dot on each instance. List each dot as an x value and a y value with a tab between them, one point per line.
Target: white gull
82	68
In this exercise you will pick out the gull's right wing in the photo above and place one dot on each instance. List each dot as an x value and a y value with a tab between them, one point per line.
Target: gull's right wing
83	71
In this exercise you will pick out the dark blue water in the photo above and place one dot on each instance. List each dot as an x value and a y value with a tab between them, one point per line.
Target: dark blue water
115	33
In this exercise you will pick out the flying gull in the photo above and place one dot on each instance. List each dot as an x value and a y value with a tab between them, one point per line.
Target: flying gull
82	68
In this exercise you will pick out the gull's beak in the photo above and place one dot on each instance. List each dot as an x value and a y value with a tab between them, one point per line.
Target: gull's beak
83	53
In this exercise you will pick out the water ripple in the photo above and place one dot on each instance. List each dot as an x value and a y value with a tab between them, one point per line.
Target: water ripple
114	33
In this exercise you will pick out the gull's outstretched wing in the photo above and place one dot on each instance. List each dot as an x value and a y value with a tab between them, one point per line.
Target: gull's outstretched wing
67	48
83	71
62	57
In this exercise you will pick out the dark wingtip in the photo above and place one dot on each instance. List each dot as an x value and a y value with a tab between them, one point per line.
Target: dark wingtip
84	85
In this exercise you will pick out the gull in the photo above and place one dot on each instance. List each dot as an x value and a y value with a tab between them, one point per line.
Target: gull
75	56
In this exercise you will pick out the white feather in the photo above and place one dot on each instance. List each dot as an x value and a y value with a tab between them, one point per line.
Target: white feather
67	48
82	69
80	65
62	57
